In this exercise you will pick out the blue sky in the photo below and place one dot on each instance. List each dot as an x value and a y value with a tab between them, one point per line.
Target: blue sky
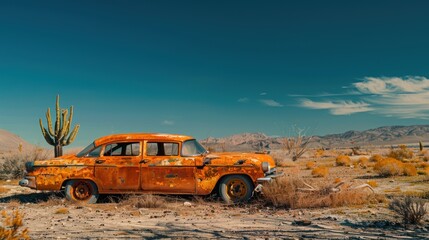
214	68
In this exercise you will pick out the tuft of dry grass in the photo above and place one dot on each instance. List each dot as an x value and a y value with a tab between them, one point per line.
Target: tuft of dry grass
288	192
372	183
409	169
412	210
401	153
13	203
424	171
13	165
320	172
12	226
376	158
62	211
363	162
310	165
145	201
3	190
342	160
389	167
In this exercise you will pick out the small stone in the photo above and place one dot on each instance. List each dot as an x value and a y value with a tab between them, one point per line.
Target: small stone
187	204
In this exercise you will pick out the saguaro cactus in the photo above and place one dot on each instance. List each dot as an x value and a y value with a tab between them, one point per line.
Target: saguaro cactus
58	137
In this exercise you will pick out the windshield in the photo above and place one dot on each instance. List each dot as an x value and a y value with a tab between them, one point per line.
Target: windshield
192	148
86	150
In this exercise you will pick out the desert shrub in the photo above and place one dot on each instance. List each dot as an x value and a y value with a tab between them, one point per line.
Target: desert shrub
409	169
424	171
412	210
11	227
401	153
363	161
144	201
342	160
320	172
319	153
372	183
376	158
422	165
290	193
13	165
310	165
389	167
62	211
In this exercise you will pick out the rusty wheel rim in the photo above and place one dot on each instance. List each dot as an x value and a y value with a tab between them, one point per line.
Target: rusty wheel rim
82	190
236	189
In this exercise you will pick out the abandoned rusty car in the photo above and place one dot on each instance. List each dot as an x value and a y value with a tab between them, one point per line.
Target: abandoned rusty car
151	163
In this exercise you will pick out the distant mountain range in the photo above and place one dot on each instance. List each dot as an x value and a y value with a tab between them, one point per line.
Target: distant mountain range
389	135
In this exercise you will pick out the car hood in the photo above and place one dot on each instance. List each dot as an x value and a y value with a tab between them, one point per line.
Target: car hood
233	158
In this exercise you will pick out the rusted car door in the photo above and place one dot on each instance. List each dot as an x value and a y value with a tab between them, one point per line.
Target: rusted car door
164	170
118	167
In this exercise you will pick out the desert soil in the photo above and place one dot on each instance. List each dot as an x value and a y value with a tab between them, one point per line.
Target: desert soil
201	219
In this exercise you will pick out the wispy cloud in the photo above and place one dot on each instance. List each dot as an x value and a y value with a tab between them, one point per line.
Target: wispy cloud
406	97
263	94
168	122
243	100
271	103
338	108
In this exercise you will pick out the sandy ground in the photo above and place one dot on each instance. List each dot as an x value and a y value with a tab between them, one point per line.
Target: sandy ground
203	219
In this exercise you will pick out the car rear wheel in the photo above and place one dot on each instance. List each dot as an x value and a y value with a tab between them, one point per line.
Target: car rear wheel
235	189
81	191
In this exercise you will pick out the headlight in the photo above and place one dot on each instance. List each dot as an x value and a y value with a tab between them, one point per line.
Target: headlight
29	166
265	167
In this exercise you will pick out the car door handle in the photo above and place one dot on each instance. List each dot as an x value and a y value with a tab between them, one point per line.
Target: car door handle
99	161
144	161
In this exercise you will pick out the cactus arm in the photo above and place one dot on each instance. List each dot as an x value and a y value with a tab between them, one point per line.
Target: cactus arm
49	121
48	139
72	136
57	120
70	122
64	126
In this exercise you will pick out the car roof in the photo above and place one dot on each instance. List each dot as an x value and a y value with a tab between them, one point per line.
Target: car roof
141	136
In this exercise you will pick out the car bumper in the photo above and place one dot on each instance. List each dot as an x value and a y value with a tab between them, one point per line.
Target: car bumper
29	182
269	177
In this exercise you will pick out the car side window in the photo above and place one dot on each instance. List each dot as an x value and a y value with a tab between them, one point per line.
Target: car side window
162	149
95	152
122	149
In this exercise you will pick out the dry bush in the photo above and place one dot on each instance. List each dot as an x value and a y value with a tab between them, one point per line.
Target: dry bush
13	166
409	169
310	165
62	211
372	183
342	160
412	210
3	189
363	161
424	171
422	165
319	153
376	158
401	153
320	172
389	167
145	201
11	227
298	145
289	193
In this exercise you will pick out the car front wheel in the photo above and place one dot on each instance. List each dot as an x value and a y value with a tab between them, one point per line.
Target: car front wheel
235	189
81	191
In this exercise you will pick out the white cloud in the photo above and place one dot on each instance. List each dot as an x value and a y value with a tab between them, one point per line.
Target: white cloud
168	122
406	97
243	100
270	103
338	108
263	93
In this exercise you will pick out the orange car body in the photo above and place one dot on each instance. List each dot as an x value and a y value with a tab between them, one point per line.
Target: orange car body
143	162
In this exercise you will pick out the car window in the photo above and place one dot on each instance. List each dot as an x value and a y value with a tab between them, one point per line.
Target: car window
95	152
192	148
162	149
122	149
